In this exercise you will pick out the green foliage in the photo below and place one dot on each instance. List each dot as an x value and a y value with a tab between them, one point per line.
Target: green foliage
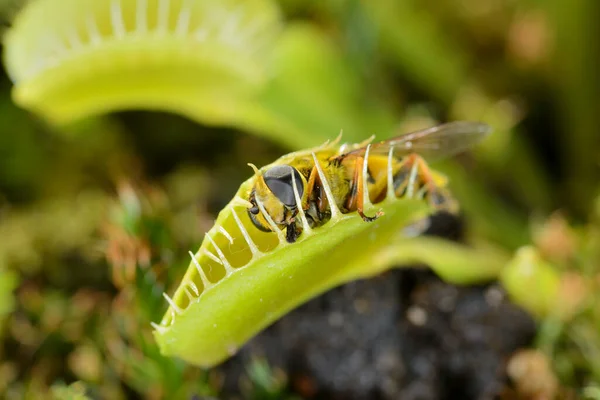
75	391
8	283
266	384
557	280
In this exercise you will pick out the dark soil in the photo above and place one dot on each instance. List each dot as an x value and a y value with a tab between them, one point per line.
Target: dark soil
403	335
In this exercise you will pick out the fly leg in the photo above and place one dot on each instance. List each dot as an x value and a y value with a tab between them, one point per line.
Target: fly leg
317	204
356	198
312	183
415	179
292	232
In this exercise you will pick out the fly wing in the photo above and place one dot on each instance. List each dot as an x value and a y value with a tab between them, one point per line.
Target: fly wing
433	143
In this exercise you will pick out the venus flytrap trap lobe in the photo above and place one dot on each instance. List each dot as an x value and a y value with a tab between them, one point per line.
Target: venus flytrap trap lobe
224	63
73	58
243	278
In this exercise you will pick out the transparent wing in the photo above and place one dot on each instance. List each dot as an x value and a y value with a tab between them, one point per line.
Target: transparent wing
433	143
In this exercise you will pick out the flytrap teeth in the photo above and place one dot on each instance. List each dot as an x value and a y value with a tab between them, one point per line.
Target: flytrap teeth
421	193
226	234
239	202
253	248
141	23
189	294
183	22
163	16
194	288
222	259
92	30
412	180
213	257
335	211
116	19
305	226
174	306
390	175
205	282
365	179
337	139
158	328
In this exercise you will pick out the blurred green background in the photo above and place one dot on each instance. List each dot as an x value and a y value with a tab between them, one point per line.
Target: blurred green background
98	211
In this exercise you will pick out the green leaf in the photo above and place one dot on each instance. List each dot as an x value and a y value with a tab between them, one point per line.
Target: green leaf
453	262
531	282
75	58
8	283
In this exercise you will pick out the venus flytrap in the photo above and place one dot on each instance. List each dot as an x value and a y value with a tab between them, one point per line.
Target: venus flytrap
226	63
453	262
243	278
235	303
70	59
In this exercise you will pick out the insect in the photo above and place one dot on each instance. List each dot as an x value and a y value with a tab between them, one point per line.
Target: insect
301	179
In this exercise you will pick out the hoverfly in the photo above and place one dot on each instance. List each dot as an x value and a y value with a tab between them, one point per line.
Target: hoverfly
342	171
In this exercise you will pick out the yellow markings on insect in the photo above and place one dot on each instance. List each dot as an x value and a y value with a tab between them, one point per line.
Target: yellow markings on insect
293	231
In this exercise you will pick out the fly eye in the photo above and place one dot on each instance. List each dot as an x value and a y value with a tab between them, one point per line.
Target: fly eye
279	181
